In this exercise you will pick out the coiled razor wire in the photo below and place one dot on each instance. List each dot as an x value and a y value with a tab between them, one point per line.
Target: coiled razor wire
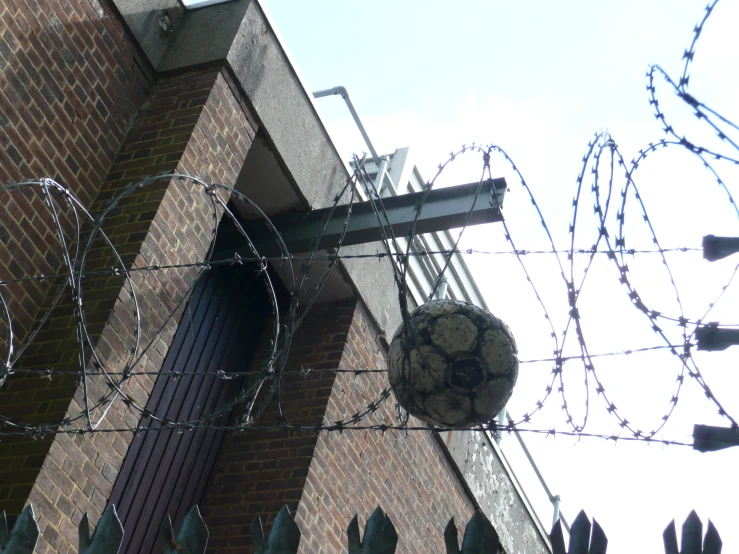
602	161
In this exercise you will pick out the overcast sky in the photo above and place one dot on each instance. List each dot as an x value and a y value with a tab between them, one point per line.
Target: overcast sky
538	78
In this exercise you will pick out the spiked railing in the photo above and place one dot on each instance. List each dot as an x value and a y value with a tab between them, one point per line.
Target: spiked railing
582	541
380	536
107	537
22	539
192	538
692	536
284	537
479	537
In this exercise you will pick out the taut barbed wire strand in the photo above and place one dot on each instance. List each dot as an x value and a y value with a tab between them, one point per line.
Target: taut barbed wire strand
238	259
51	372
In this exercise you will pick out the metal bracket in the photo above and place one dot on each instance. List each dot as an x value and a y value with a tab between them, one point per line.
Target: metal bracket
479	537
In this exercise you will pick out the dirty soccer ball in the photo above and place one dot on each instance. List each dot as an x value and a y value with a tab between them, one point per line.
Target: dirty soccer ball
462	366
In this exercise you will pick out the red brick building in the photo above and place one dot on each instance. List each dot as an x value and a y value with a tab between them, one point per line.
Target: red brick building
97	94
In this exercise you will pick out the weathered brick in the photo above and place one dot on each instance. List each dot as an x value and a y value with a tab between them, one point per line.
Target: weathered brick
81	141
72	93
332	476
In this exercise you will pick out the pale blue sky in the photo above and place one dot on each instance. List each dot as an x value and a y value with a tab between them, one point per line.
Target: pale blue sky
539	78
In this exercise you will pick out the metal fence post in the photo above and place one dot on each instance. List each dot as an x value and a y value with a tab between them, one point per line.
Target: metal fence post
581	540
284	537
692	533
192	538
380	536
22	539
479	537
107	537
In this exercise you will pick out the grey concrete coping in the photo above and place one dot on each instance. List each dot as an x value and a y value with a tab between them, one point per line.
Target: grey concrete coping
240	33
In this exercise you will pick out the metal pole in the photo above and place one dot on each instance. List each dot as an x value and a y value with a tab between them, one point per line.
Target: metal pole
501	421
555	517
442	288
380	178
341	91
553	499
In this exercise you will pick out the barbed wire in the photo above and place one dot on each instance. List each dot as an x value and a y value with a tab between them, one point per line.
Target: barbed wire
81	236
306	371
342	427
238	259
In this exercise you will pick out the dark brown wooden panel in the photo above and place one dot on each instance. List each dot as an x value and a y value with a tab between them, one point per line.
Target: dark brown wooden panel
167	471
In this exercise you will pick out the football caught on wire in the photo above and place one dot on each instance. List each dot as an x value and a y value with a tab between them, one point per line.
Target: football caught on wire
453	364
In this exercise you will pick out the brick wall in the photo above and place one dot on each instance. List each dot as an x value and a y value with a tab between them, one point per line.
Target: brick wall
76	104
260	471
71	82
326	479
406	474
192	124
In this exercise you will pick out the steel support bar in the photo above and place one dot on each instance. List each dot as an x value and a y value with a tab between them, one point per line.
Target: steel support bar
714	339
707	438
443	209
717	248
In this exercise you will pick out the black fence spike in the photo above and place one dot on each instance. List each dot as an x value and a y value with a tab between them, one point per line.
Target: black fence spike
599	541
23	537
692	534
581	540
284	537
580	534
380	536
354	542
669	536
712	543
557	539
451	540
107	537
192	537
480	536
